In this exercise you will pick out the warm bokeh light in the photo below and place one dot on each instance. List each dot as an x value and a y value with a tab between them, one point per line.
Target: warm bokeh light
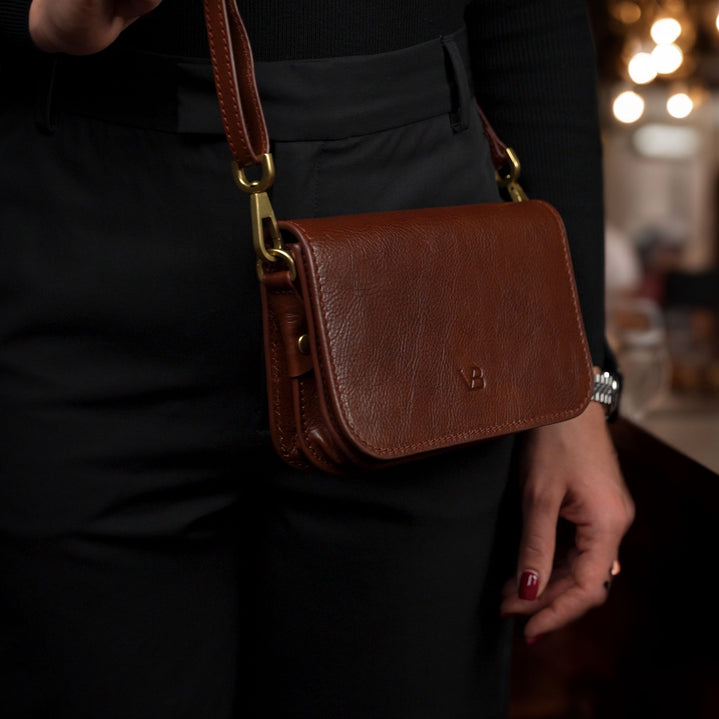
628	107
641	68
626	12
680	105
665	31
667	58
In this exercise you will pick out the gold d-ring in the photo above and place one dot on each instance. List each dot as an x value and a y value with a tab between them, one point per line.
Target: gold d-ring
278	254
253	186
509	174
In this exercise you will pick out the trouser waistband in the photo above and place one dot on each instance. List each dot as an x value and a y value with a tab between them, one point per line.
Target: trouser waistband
321	99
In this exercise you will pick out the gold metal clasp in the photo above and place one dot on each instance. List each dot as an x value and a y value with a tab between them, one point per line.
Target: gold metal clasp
266	235
507	177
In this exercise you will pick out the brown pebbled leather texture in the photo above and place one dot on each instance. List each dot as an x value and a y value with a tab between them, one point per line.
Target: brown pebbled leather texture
428	329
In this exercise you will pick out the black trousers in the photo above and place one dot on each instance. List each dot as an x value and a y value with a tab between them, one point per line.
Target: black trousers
156	558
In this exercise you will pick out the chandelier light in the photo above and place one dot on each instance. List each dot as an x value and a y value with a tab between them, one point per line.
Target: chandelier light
680	105
668	58
628	107
665	31
642	68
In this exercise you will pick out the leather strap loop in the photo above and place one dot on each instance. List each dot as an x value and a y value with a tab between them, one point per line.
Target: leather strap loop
497	148
237	93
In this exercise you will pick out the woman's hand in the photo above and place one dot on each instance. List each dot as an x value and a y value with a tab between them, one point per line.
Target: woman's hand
82	27
569	472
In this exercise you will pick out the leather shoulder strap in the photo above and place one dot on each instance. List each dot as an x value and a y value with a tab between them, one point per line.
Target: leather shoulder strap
234	71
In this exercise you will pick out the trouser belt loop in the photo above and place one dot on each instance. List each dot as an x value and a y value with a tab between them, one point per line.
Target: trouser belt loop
460	88
45	105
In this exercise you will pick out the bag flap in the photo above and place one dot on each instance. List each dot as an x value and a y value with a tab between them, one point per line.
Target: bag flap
444	325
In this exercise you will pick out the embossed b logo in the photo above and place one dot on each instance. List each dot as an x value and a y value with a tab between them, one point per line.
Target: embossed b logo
473	376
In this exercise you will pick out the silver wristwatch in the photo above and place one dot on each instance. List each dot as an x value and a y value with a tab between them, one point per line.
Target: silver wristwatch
607	391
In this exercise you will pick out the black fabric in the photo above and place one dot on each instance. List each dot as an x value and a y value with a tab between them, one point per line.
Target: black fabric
383	594
288	30
157	559
126	628
14	31
301	100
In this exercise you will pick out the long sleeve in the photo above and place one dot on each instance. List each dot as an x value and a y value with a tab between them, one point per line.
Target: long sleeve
14	31
535	77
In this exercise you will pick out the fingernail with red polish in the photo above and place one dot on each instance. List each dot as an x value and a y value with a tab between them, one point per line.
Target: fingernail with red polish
534	640
528	584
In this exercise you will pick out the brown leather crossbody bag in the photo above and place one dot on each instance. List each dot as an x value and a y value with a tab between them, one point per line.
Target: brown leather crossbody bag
393	335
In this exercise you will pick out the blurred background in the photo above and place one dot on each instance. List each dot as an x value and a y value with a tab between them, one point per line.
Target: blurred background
651	649
658	67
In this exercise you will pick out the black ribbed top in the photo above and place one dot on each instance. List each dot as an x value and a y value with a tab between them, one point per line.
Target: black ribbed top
288	29
13	23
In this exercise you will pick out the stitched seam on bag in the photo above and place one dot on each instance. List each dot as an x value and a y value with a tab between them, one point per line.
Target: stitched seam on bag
569	266
276	380
289	442
308	443
328	415
248	68
437	442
